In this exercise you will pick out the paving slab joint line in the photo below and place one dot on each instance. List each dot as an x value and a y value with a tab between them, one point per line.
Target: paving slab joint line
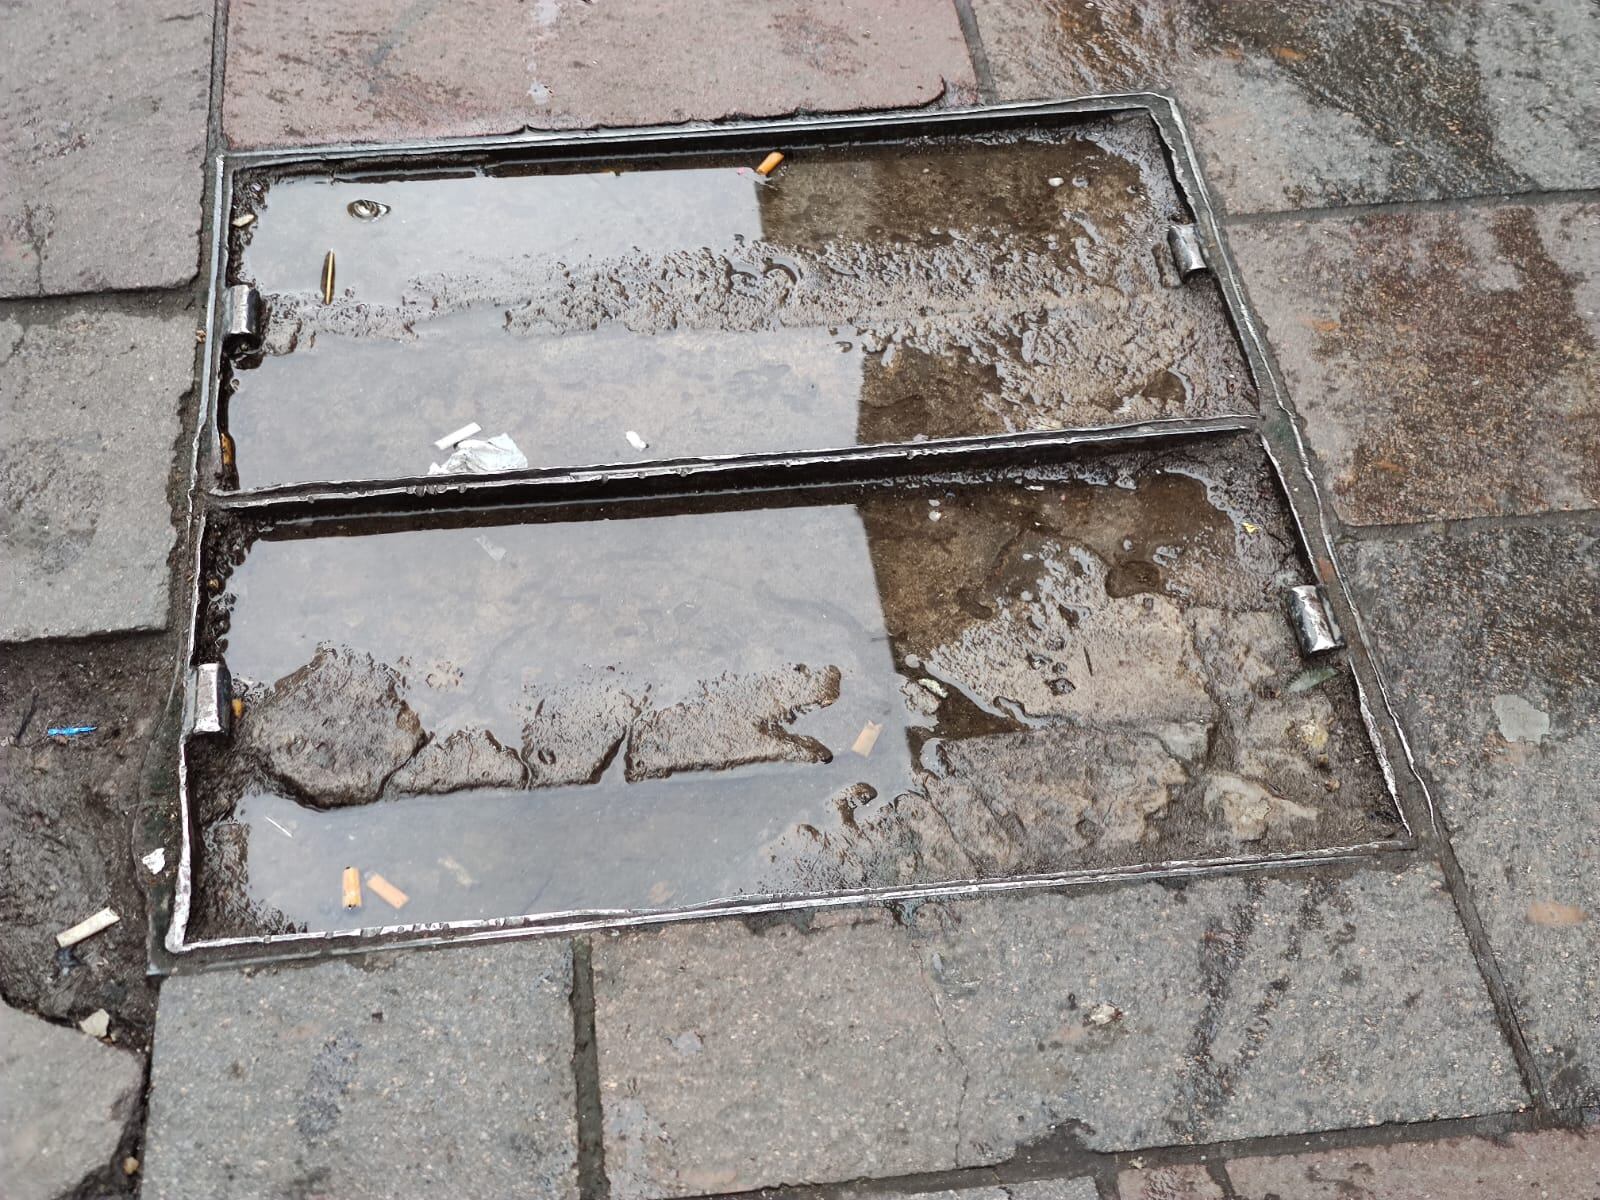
1406	530
592	1181
1443	204
982	72
1430	834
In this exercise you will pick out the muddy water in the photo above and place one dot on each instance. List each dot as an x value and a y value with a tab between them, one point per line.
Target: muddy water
859	295
950	678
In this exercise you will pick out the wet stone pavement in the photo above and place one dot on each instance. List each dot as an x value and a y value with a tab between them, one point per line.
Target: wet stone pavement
1254	972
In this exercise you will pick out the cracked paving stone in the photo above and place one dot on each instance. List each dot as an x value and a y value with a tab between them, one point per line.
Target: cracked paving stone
1081	1188
862	1044
89	401
301	73
1488	639
1446	364
103	142
64	1104
1305	104
419	1073
1551	1164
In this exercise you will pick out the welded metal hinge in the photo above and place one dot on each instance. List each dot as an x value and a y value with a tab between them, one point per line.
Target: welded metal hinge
213	699
1314	622
1188	255
241	317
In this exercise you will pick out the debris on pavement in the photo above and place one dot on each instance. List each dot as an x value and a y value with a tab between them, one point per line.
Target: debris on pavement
391	895
327	278
1307	680
769	164
366	210
462	875
88	927
69	731
1104	1014
493	551
634	440
130	1165
97	1024
244	220
470	429
352	888
475	457
867	738
280	829
156	861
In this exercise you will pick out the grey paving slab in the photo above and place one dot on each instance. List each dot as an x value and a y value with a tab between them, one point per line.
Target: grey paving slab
103	111
1188	1181
300	73
864	1045
1488	638
1303	104
1551	1164
89	417
65	1099
409	1074
1081	1188
1447	364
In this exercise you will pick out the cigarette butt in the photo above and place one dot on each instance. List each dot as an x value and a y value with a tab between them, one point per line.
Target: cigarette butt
238	708
226	443
391	894
470	429
867	738
352	888
327	279
104	919
769	164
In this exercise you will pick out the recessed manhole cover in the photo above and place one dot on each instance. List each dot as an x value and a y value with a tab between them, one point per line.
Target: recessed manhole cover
898	520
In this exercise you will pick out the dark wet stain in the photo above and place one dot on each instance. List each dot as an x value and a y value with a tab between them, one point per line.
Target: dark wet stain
1470	337
332	1073
869	294
941	678
1404	75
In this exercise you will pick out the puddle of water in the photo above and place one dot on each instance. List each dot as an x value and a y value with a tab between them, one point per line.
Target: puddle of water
934	679
861	295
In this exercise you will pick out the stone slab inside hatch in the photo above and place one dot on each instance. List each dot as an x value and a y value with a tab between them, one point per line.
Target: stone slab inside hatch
933	679
869	293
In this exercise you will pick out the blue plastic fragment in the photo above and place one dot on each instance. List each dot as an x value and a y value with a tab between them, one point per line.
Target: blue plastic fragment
68	730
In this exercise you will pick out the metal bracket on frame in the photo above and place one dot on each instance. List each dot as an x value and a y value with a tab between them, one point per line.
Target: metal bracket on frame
1314	622
213	699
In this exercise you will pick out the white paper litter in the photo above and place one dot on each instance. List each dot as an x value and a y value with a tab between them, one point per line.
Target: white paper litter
156	861
475	457
489	548
96	1024
470	429
634	440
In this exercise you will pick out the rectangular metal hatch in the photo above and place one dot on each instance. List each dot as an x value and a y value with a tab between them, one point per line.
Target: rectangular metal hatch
655	303
902	522
949	677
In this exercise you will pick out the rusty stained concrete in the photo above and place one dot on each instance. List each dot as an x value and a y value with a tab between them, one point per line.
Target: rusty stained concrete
1446	364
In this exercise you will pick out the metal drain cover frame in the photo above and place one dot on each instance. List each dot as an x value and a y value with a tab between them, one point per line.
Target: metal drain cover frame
234	317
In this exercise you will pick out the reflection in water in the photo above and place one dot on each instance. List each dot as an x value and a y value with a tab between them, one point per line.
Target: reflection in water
862	295
1062	668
